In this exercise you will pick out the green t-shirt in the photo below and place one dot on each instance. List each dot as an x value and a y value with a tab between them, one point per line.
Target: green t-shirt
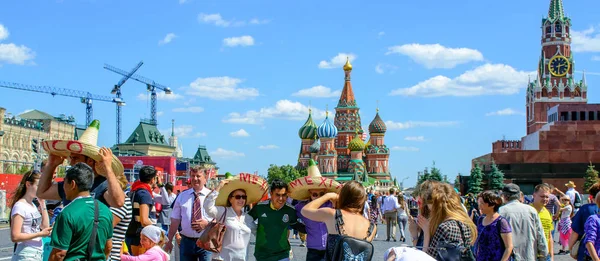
272	231
73	229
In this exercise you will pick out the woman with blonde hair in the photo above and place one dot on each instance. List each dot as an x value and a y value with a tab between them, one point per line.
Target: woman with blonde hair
423	196
28	223
448	223
349	208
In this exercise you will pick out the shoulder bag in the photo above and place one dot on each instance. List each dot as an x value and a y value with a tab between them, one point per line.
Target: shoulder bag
212	238
454	251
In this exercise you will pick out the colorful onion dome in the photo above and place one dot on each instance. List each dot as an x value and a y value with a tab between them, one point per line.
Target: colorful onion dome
309	129
377	125
327	129
357	144
347	66
315	147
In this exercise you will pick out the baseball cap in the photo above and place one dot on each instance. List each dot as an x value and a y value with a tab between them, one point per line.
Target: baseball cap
511	188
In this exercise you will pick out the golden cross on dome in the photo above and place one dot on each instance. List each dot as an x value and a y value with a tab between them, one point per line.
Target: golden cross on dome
326	110
309	105
377	105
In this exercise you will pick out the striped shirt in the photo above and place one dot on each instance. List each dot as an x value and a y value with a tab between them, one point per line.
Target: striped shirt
124	213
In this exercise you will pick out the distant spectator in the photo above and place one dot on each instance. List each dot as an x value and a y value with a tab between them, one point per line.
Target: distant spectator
144	209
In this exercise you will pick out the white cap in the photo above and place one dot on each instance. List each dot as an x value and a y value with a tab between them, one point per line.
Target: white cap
153	233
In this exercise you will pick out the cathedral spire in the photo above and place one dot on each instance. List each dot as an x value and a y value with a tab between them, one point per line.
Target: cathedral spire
172	127
556	10
347	96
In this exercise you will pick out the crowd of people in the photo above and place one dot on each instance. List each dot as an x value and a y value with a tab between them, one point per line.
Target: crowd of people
94	214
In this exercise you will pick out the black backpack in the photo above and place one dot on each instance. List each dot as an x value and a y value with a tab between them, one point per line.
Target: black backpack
348	248
577	201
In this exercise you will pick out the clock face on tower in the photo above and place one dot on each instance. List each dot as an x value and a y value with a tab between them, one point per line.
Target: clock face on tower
559	66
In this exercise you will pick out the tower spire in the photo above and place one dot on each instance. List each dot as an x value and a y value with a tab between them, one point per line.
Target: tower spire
347	96
172	127
556	10
583	81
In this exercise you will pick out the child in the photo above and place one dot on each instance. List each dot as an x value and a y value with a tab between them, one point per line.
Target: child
152	238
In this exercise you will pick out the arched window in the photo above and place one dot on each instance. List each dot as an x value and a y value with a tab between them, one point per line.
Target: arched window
567	93
544	92
548	29
554	92
558	27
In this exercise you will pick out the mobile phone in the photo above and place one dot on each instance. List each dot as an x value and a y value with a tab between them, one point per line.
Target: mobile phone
414	212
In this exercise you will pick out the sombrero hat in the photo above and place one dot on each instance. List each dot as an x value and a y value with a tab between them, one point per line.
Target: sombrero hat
254	186
86	145
299	187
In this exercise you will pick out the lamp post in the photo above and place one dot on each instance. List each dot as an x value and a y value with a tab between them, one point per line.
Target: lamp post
402	183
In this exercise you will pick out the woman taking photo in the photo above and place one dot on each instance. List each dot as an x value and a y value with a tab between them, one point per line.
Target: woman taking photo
227	202
349	203
27	224
448	222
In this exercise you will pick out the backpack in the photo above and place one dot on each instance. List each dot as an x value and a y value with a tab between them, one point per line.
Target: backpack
348	248
577	202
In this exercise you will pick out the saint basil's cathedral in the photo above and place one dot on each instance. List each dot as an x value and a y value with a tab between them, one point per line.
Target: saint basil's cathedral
339	148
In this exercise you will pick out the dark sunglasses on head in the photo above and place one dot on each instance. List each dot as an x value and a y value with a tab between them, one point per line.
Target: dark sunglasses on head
244	197
318	194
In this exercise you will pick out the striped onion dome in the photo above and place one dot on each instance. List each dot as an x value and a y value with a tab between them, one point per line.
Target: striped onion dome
309	129
315	147
377	125
356	144
327	129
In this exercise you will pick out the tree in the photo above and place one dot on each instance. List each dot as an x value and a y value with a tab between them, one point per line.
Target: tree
425	176
591	177
496	181
457	182
475	180
445	179
286	173
436	174
24	169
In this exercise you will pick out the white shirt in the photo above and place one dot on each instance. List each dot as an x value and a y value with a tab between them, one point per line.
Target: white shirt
571	192
32	220
237	235
567	212
164	198
182	210
390	203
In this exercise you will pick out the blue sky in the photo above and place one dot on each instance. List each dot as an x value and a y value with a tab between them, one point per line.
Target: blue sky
449	75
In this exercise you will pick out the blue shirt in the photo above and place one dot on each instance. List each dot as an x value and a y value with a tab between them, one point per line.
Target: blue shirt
316	232
578	224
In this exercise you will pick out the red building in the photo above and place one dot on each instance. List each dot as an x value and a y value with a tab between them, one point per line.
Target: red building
562	128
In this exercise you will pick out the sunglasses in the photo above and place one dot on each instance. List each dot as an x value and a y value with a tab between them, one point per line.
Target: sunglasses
318	194
244	197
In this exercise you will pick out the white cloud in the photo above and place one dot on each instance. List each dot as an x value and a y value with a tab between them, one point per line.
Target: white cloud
168	38
337	61
220	88
283	109
318	91
200	134
436	55
488	79
414	138
183	131
239	133
3	32
381	68
268	147
223	153
218	20
259	21
14	54
380	34
245	40
160	113
403	148
391	125
595	58
504	112
161	96
192	109
585	41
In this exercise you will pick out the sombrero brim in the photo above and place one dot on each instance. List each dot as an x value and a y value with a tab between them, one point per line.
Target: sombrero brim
64	148
299	187
254	186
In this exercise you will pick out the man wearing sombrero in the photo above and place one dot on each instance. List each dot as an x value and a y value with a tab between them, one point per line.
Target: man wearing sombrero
574	195
106	166
307	189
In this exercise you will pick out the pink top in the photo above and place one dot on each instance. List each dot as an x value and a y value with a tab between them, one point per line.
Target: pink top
153	254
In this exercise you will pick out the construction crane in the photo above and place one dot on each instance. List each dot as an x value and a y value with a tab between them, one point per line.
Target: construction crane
150	85
85	97
117	90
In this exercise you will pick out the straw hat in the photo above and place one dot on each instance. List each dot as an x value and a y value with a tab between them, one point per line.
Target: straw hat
254	186
86	145
571	184
299	187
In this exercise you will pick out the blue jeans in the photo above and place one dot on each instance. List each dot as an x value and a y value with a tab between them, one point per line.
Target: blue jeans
27	253
188	251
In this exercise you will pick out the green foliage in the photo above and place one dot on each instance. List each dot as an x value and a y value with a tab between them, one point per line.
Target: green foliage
475	180
436	174
457	182
496	181
24	169
591	177
445	179
285	172
61	171
425	176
